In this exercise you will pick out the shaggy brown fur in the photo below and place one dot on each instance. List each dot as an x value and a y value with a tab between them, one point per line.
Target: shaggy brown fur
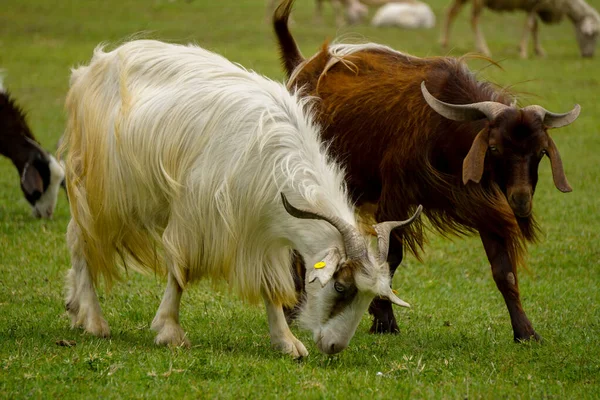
399	152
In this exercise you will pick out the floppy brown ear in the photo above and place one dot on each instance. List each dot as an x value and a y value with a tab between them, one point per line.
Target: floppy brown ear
474	161
558	173
31	180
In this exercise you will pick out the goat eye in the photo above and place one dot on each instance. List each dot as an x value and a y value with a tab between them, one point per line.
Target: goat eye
493	148
339	287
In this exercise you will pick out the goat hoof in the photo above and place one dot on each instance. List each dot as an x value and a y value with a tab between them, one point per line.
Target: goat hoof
522	338
380	327
171	334
97	327
291	346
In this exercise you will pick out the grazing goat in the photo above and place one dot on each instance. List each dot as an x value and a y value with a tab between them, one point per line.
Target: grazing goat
40	174
472	164
583	16
411	15
181	161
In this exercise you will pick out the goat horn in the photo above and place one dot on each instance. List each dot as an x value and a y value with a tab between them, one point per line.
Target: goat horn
463	112
353	242
553	120
391	296
384	229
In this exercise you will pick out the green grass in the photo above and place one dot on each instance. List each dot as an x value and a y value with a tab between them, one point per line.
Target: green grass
456	341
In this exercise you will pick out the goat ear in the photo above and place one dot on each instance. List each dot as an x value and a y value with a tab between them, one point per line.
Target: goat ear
474	161
324	270
31	180
558	173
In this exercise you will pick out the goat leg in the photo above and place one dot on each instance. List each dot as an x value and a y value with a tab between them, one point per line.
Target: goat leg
539	50
282	338
166	321
451	15
529	22
384	320
479	38
504	272
82	302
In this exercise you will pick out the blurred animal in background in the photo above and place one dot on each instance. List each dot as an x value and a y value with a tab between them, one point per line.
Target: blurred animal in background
40	174
412	131
584	17
408	15
346	11
175	148
353	12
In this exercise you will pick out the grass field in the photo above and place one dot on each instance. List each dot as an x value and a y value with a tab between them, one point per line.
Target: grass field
456	341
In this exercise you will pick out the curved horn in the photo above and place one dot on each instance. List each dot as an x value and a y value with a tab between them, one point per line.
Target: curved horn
353	242
384	229
552	120
391	296
463	112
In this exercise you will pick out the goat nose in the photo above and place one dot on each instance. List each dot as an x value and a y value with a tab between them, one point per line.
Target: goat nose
520	199
335	348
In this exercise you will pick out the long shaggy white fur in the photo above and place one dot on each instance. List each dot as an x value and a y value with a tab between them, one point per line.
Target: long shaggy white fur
175	148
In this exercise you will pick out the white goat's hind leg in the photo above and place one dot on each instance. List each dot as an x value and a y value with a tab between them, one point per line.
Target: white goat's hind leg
281	337
166	321
82	302
539	50
479	38
529	24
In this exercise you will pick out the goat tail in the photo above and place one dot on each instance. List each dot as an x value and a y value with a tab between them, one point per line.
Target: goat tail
289	52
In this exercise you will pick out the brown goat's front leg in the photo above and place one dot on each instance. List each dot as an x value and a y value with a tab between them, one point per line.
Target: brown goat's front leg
505	276
384	320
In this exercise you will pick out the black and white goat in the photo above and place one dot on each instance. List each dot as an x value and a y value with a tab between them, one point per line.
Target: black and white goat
40	174
176	148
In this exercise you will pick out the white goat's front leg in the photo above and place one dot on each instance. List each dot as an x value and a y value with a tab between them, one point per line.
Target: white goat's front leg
479	38
530	22
539	50
166	321
82	302
281	337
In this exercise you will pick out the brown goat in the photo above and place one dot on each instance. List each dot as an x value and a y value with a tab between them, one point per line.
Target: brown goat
473	166
39	172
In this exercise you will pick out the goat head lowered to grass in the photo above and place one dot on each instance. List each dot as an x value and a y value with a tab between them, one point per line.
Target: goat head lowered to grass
426	131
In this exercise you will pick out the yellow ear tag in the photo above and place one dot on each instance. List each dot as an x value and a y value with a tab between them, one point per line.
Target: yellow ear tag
320	264
394	291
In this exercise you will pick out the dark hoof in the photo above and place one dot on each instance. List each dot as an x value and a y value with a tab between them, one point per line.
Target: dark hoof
528	337
389	326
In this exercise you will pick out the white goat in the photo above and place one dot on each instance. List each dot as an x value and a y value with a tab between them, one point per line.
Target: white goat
584	17
409	15
39	172
180	160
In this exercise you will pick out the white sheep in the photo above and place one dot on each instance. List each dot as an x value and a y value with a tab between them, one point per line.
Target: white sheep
583	16
408	15
181	162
